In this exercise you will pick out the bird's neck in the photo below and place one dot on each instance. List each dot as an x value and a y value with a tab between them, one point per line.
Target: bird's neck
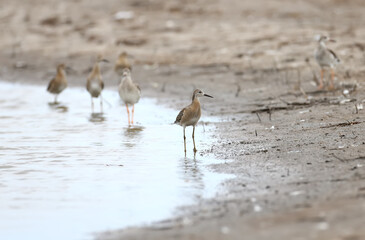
61	72
96	70
127	79
322	45
195	101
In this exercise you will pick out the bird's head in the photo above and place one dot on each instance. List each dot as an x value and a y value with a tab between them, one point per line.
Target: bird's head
100	59
126	72
123	55
199	93
61	66
324	39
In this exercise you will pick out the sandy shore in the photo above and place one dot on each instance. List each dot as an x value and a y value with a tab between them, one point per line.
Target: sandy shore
298	153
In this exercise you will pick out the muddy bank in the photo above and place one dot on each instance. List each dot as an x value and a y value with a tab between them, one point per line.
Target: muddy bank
298	159
298	153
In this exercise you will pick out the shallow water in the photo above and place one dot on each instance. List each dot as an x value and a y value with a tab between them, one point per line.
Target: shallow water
66	173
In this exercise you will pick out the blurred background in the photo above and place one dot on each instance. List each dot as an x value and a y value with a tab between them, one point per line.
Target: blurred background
36	34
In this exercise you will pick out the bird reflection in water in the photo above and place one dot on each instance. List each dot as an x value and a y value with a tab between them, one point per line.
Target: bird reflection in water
59	107
97	117
190	172
132	134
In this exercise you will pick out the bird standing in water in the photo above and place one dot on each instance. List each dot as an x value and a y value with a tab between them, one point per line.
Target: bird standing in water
122	63
95	84
190	115
129	92
59	82
326	58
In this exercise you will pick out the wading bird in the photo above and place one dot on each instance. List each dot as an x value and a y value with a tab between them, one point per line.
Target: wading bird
326	58
95	84
122	63
190	115
129	92
59	82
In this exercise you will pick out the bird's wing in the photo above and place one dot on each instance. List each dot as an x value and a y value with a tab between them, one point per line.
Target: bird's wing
179	116
50	84
334	55
88	85
138	87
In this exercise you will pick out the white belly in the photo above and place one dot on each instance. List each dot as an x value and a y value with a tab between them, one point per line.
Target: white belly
95	89
129	95
192	121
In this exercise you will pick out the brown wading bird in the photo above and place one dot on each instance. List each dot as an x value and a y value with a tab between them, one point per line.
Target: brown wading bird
95	84
122	63
190	115
58	83
129	92
326	58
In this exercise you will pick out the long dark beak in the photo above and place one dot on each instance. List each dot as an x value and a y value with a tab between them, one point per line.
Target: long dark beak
206	95
69	69
104	60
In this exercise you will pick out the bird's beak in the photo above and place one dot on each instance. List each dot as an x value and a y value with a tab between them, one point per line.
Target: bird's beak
105	60
69	69
206	95
331	40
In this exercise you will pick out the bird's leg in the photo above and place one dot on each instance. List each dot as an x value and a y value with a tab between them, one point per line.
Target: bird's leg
184	141
129	122
55	98
132	113
194	139
92	105
331	86
101	104
321	80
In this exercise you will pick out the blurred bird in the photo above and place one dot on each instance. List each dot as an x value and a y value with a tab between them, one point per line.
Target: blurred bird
95	84
326	58
122	63
59	82
129	92
190	115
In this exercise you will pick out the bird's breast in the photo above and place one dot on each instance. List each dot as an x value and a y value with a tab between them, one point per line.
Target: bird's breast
129	93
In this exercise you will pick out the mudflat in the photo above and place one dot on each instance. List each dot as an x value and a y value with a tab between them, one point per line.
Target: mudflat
297	153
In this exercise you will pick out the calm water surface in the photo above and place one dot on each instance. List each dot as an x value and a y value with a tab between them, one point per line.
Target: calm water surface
67	174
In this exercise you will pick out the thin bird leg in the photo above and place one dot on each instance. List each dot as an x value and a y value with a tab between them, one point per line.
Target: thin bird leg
331	86
132	113
321	80
184	141
101	104
129	122
55	98
194	139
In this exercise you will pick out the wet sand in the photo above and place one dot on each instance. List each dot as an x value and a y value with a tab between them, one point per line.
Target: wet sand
297	153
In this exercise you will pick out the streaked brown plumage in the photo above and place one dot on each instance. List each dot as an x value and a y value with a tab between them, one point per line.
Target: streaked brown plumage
122	63
59	82
95	84
190	115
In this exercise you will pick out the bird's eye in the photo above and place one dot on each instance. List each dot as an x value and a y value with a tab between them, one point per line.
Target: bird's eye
200	91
